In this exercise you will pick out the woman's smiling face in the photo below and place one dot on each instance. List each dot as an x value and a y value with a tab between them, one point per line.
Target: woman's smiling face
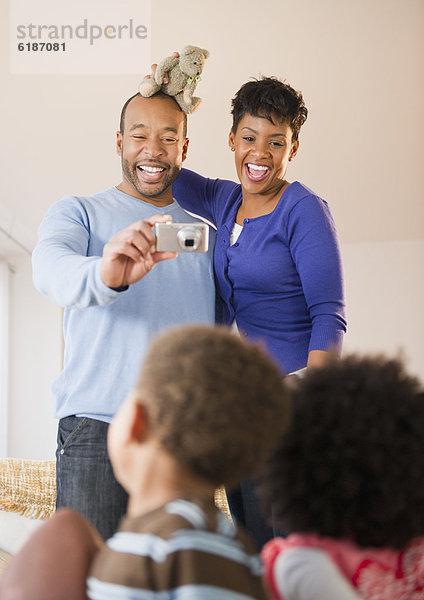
262	152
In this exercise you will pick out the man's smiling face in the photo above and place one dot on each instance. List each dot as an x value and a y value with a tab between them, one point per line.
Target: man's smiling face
152	147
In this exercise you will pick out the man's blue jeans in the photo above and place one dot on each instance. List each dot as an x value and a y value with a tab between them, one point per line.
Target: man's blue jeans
246	510
84	475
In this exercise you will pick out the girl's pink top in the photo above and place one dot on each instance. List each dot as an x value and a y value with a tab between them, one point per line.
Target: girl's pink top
376	574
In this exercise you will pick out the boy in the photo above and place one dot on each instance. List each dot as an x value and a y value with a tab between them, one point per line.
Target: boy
208	409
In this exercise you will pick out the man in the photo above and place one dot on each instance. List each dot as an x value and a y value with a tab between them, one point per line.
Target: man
96	257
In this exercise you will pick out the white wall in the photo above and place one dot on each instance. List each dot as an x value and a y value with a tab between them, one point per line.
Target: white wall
35	359
359	65
385	299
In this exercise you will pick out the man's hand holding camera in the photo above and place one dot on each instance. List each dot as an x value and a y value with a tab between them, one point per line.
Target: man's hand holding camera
131	253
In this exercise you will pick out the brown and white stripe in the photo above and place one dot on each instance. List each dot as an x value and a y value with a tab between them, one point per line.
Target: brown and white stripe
185	551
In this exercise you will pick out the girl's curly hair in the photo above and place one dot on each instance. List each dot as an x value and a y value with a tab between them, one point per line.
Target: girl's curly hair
351	464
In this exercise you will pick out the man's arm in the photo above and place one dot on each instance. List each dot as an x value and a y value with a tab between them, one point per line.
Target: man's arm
64	273
131	253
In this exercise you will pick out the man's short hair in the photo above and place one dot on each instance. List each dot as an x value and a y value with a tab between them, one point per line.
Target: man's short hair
157	95
216	403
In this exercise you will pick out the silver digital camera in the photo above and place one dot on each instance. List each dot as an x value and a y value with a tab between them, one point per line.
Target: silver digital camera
182	237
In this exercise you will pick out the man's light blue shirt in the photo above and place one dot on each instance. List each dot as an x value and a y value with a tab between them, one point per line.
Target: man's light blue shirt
106	331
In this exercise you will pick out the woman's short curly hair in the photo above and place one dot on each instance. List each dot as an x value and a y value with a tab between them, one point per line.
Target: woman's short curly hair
351	464
215	402
270	98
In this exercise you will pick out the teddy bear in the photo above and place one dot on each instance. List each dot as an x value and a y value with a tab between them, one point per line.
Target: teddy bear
183	74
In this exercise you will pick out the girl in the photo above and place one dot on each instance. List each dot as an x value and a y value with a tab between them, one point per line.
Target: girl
347	483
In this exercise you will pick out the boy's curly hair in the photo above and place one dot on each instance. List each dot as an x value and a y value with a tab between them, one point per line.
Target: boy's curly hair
215	402
351	464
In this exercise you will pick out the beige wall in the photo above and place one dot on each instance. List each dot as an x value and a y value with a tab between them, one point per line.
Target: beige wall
34	360
359	65
385	299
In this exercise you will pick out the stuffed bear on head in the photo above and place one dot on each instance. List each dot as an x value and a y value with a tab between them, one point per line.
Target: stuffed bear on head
183	74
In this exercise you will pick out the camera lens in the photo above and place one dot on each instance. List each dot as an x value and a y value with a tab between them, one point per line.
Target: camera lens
189	238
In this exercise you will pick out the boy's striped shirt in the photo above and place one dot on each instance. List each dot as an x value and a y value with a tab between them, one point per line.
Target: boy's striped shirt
185	550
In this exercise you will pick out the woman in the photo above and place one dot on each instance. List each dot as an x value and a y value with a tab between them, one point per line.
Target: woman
277	261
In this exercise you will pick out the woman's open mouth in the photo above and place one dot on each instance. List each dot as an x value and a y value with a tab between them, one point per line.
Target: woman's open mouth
256	172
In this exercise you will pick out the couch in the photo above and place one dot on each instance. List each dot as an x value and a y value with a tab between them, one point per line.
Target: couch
28	496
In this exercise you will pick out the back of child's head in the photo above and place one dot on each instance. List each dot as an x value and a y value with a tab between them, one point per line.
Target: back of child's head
351	463
216	403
